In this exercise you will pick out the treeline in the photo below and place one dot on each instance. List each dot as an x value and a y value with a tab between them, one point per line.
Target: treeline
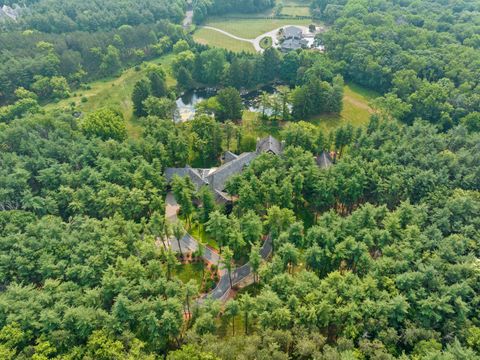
58	16
35	60
423	54
318	87
204	8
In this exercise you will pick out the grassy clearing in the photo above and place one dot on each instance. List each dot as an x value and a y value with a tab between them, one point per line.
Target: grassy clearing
252	28
356	109
186	272
198	232
217	39
296	11
115	93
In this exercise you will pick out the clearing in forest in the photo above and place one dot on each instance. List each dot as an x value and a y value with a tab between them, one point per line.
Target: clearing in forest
356	111
115	93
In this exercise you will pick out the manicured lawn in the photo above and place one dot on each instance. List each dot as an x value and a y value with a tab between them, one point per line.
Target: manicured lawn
115	93
251	28
296	11
217	39
266	42
185	272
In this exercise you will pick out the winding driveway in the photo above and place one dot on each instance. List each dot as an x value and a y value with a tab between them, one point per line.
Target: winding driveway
256	42
189	243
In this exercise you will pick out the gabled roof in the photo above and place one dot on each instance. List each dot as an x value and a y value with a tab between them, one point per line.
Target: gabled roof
229	156
219	177
324	160
294	44
194	175
292	32
222	197
269	144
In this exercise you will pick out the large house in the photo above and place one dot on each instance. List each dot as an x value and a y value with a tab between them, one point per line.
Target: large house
292	39
216	178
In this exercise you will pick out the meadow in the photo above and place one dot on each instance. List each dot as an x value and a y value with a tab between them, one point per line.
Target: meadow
252	28
115	93
216	39
356	111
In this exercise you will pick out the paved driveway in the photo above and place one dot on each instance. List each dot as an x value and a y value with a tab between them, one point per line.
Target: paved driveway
256	42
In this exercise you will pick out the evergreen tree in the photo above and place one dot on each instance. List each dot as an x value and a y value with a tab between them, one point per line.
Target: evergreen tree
141	92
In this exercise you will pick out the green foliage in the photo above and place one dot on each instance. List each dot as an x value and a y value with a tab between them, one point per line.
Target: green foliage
105	124
203	8
230	104
141	92
163	108
53	88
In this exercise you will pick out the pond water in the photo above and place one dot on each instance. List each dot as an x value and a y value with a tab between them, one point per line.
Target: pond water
186	103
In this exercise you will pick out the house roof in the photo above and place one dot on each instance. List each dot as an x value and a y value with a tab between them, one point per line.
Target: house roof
222	197
269	144
229	156
194	174
218	178
324	160
293	44
292	32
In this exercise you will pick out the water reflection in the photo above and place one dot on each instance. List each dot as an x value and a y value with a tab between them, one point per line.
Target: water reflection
186	103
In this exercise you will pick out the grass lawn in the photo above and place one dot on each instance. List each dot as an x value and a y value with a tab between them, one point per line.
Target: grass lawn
296	11
254	126
266	42
356	110
115	93
185	272
251	28
198	232
217	39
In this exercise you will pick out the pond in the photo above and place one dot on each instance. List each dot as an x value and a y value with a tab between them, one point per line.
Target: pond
186	103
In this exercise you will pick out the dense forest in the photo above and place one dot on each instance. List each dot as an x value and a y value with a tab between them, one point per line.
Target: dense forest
374	257
424	55
60	45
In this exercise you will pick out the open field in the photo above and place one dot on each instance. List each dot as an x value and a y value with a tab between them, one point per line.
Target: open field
296	11
114	93
216	39
356	111
252	28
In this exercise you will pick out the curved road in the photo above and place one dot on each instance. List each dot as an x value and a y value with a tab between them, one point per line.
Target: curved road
222	289
256	42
